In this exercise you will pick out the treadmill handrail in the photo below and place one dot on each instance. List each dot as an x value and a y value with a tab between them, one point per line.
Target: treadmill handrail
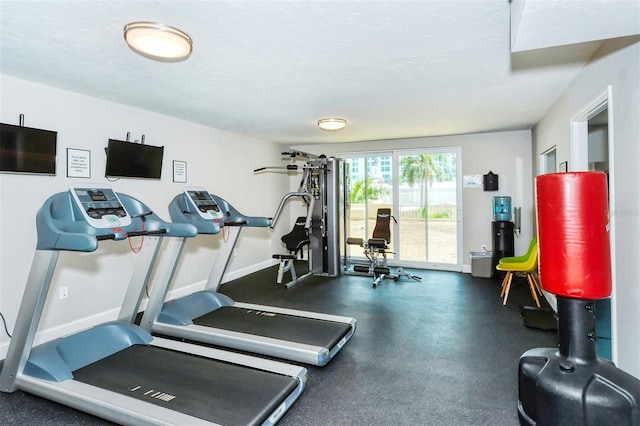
233	216
145	232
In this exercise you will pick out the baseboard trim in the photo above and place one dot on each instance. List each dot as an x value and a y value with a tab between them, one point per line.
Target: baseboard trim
239	273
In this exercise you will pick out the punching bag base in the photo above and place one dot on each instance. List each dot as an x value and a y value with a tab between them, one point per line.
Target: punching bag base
555	391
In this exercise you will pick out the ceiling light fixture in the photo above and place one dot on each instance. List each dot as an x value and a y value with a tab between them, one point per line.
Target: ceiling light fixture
332	124
158	41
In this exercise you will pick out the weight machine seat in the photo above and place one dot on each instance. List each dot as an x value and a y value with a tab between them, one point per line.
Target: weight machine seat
296	239
382	229
378	243
376	249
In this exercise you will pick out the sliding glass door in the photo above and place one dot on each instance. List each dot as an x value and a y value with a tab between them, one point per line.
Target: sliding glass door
428	208
423	189
368	188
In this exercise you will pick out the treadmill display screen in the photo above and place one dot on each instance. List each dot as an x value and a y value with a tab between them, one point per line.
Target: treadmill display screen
100	204
206	205
97	196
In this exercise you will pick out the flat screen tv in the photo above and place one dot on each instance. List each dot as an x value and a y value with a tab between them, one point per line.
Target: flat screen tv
27	150
133	160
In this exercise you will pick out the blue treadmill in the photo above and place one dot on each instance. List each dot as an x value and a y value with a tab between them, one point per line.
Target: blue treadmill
117	370
210	317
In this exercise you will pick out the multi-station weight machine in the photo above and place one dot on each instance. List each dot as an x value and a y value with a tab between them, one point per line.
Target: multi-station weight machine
322	191
323	228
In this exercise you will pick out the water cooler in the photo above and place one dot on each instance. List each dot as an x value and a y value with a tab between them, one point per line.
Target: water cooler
502	230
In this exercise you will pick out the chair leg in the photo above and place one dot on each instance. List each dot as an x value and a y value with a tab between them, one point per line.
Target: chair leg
533	277
533	288
504	283
507	288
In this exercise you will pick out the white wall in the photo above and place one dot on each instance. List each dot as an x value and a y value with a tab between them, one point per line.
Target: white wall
617	64
507	154
97	281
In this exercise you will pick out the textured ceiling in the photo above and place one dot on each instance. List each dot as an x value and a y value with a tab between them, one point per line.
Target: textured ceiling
271	69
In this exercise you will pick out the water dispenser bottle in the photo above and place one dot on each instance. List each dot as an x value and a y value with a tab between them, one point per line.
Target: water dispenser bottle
502	209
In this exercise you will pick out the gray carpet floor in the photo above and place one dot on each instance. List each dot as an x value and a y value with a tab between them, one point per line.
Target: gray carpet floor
441	351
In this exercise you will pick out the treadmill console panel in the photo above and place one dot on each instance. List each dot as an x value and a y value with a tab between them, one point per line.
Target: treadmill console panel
100	205
203	203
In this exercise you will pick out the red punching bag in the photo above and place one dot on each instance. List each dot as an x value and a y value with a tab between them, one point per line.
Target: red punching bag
573	234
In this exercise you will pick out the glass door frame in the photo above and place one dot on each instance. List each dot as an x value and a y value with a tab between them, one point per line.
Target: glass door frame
395	231
368	228
457	267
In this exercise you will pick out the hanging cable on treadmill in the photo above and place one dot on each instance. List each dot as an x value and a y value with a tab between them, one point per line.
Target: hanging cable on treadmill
226	234
143	217
4	321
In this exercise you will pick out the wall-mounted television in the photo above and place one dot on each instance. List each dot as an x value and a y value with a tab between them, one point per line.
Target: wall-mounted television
27	150
133	160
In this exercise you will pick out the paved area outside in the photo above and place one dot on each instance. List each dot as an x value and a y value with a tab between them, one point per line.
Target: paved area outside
439	237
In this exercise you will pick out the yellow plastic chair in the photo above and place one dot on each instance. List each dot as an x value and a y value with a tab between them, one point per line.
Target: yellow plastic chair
524	257
524	264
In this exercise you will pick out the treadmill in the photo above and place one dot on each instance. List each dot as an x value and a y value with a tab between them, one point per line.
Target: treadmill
117	370
210	317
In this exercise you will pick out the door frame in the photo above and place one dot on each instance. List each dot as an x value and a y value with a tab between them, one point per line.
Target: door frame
457	150
580	162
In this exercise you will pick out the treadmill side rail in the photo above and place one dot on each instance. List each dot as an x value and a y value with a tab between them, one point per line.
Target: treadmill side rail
292	351
298	372
298	313
106	404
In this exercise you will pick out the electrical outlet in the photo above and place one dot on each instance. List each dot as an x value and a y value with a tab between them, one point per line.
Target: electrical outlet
64	292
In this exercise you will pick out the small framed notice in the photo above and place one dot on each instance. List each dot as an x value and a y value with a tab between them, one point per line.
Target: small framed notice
564	167
472	181
180	171
78	163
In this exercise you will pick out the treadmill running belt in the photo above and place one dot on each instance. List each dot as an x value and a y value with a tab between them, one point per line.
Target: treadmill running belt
208	389
292	328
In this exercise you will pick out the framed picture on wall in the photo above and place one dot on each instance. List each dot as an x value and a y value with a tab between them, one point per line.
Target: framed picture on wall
563	167
78	163
180	171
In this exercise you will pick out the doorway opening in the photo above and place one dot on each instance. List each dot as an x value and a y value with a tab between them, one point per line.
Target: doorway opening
592	150
548	161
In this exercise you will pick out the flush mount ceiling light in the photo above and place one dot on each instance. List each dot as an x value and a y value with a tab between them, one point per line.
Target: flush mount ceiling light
332	124
158	41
